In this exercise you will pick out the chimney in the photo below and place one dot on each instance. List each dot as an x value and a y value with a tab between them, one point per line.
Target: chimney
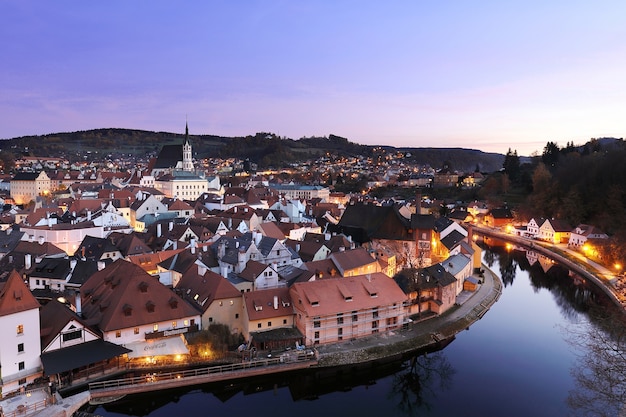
235	209
78	305
193	246
158	232
327	236
28	261
275	302
41	240
73	264
224	271
171	226
101	265
88	215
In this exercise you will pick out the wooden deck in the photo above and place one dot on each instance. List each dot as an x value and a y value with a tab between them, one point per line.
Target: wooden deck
117	388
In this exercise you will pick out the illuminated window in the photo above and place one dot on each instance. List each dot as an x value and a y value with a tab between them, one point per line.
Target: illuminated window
186	322
20	329
174	324
155	328
136	330
118	333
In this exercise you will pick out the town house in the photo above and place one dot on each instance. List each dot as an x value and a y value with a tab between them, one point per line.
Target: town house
332	310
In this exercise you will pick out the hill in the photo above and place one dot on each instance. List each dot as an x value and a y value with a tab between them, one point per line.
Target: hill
265	149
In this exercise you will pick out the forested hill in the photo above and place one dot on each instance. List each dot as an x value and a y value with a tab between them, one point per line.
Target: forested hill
266	149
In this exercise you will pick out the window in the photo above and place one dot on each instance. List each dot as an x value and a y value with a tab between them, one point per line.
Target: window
136	330
185	323
210	319
118	333
236	315
284	321
20	366
258	326
174	324
155	328
20	329
316	322
355	316
375	313
340	318
72	335
316	336
20	348
340	334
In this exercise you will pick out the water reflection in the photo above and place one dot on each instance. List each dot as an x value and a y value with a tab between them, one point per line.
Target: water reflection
600	374
591	378
421	382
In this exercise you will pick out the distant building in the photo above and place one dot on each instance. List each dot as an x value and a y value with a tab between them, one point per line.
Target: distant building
26	186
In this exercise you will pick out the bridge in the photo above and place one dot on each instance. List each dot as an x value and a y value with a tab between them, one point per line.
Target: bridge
111	390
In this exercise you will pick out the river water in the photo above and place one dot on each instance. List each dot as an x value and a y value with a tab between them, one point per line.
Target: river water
523	358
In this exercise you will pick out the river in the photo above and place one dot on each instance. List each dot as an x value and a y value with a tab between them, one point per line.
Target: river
528	356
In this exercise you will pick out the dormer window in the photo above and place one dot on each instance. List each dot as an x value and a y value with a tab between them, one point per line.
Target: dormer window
150	307
127	309
143	286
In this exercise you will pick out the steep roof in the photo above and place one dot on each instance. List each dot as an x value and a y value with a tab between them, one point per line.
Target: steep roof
123	295
202	290
15	296
169	156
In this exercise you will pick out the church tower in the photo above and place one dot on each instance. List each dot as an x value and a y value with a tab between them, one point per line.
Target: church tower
187	160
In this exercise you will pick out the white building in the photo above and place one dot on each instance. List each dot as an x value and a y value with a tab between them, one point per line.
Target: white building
20	348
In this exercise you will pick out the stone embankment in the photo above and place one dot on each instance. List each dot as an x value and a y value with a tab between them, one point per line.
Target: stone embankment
432	333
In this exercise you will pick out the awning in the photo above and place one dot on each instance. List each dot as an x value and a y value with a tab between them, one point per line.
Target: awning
84	354
158	347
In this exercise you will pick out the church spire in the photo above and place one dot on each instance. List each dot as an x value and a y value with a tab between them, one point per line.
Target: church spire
187	154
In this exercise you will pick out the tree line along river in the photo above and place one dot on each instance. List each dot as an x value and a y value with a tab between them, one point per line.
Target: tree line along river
546	348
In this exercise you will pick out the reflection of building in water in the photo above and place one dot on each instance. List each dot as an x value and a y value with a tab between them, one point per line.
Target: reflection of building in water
545	262
532	257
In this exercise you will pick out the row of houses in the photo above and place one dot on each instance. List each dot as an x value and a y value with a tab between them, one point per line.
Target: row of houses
131	299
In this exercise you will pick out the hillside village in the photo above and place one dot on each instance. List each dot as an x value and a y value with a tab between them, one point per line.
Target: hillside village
118	269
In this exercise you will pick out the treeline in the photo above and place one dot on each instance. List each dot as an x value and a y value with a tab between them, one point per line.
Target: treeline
579	184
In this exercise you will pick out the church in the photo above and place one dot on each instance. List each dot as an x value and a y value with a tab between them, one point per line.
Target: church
174	158
175	175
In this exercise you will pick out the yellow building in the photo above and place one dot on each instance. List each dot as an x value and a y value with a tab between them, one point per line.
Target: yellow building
26	186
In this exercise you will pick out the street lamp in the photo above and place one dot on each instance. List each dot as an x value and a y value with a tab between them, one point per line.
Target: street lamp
618	268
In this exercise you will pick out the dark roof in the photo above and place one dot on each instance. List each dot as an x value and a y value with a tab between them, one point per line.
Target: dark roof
433	276
366	221
452	239
169	156
25	176
76	356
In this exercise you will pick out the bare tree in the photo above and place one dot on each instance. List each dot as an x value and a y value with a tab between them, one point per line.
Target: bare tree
600	372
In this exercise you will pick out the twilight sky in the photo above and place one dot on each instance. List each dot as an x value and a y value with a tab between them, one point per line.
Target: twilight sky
488	75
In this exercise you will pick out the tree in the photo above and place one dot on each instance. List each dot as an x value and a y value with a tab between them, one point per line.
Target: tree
550	155
511	165
600	373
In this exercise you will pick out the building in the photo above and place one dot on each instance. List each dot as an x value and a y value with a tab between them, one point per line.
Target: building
332	310
301	192
133	309
27	186
19	325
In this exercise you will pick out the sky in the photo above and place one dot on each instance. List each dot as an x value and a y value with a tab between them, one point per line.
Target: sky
487	75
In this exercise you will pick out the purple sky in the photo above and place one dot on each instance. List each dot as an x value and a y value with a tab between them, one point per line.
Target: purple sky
485	75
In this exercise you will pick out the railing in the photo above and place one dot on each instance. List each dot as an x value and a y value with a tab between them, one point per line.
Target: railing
213	370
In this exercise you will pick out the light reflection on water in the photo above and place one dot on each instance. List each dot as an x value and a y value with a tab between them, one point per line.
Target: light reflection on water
516	361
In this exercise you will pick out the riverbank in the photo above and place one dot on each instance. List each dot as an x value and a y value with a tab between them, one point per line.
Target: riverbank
602	277
433	332
419	335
